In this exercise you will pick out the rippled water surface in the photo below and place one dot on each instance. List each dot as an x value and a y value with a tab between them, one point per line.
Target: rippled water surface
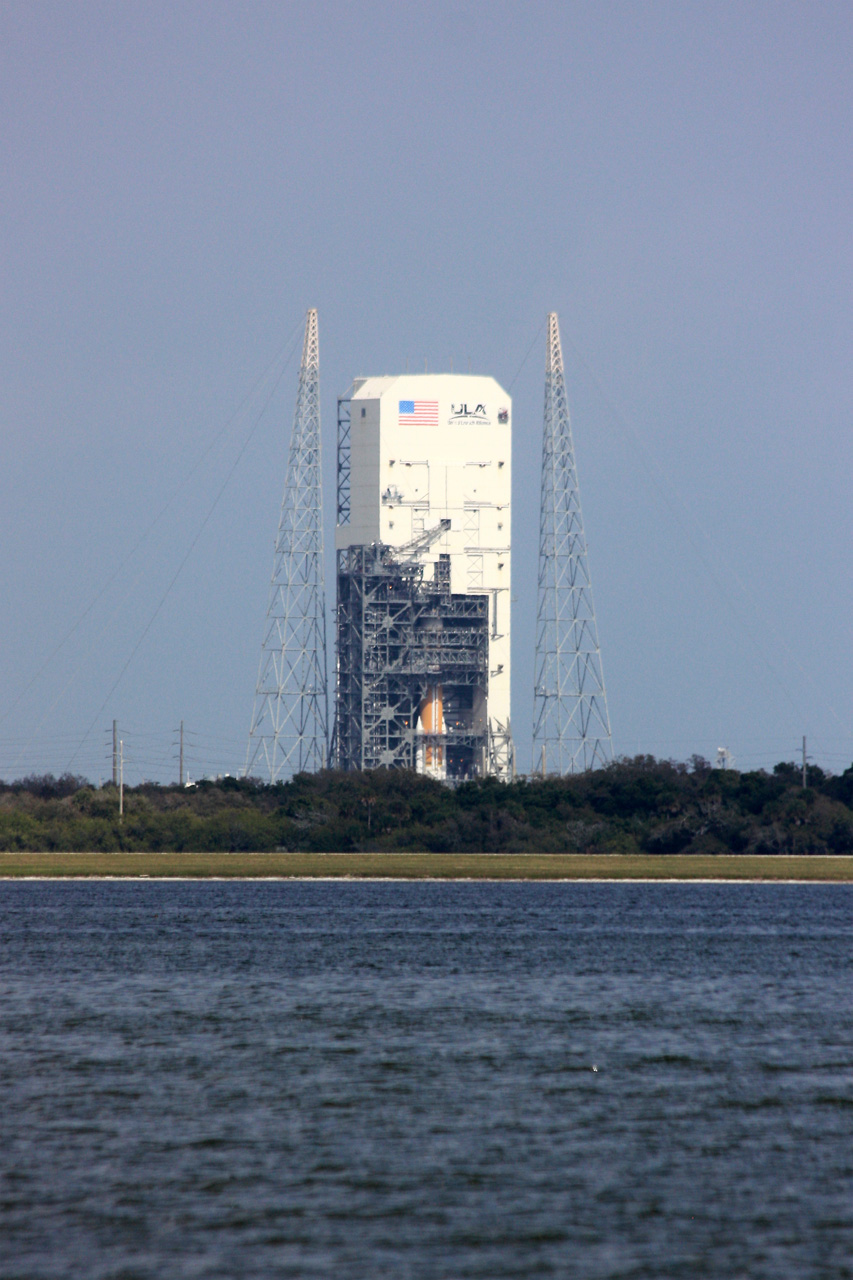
399	1080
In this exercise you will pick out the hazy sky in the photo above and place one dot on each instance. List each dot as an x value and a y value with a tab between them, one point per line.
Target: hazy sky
180	181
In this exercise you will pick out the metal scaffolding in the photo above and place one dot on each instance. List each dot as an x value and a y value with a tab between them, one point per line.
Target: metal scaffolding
571	726
403	639
289	730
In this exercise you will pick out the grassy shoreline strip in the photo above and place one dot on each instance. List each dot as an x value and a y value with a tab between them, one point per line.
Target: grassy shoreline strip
439	866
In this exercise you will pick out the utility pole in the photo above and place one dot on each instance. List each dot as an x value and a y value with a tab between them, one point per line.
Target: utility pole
115	754
181	758
121	782
289	729
570	704
805	781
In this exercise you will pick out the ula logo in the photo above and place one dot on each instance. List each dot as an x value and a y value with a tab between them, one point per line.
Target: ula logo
458	411
503	416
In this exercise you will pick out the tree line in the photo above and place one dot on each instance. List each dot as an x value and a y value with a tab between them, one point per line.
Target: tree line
632	806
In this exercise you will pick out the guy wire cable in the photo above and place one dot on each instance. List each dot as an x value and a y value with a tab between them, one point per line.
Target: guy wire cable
157	518
180	567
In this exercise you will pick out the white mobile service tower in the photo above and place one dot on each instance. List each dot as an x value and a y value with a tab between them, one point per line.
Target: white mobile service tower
423	576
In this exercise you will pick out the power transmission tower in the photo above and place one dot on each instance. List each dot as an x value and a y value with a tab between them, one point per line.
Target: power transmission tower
289	732
571	727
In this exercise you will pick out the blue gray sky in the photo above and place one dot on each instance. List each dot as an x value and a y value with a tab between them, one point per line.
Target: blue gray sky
181	181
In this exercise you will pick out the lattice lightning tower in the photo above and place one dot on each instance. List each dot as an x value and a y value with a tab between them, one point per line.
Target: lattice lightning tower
571	727
289	732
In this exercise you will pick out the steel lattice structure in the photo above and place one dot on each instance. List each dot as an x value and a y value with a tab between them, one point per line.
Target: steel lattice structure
289	731
571	726
400	633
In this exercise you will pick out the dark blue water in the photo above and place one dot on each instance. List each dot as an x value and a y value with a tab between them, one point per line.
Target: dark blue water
397	1080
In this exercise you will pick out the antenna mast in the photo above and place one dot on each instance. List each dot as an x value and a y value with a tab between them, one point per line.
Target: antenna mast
571	727
289	731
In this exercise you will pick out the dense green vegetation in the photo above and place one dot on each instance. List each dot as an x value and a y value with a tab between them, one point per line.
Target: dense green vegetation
634	806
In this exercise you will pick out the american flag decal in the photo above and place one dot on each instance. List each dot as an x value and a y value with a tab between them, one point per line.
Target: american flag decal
418	413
